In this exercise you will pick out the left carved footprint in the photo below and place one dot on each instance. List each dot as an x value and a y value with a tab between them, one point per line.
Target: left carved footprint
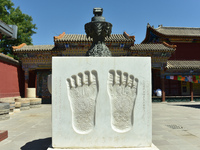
82	93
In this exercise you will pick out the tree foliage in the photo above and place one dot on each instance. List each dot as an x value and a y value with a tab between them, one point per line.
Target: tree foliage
14	16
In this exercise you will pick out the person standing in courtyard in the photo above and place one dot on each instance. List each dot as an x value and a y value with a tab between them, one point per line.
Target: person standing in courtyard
158	92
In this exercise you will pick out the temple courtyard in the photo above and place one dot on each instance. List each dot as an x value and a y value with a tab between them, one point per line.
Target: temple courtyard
176	126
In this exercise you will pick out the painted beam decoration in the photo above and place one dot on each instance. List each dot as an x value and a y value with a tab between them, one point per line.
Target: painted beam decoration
193	79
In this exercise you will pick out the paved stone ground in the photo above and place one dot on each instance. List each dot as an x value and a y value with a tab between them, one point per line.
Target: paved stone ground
28	129
176	126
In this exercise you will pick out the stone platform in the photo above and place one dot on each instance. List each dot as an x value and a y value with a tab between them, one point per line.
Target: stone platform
153	147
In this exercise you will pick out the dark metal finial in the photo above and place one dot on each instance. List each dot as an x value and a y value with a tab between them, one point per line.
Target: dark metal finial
98	11
98	29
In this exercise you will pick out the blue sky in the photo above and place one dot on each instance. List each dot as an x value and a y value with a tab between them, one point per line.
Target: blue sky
54	17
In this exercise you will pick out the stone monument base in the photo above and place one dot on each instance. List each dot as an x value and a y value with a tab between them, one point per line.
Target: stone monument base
153	147
101	103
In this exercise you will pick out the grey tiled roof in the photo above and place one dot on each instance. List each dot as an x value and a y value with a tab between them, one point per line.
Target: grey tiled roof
8	59
151	47
83	38
35	48
183	64
179	31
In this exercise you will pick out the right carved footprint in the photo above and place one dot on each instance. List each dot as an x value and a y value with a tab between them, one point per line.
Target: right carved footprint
122	90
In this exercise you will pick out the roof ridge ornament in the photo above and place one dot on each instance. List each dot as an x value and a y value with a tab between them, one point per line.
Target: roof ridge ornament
126	35
19	46
170	46
59	37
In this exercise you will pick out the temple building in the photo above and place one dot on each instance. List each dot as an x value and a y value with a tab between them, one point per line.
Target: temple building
173	50
36	60
180	75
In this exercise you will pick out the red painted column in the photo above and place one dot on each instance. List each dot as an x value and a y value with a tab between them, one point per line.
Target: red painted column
25	88
26	82
36	82
163	85
163	89
191	91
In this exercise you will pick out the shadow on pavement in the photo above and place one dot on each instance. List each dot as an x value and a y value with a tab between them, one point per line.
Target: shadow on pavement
192	106
40	144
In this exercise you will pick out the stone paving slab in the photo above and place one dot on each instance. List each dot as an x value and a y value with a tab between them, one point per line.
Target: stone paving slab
28	130
176	126
31	129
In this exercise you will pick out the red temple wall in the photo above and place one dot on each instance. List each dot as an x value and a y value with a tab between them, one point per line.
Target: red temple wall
10	80
186	51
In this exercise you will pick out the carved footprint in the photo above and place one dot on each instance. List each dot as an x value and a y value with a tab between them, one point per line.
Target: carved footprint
82	93
122	90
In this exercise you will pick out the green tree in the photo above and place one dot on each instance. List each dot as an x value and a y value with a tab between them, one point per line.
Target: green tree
5	6
11	15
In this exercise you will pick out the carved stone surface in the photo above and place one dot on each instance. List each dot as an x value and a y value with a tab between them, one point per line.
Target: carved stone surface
122	90
82	93
98	29
111	110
